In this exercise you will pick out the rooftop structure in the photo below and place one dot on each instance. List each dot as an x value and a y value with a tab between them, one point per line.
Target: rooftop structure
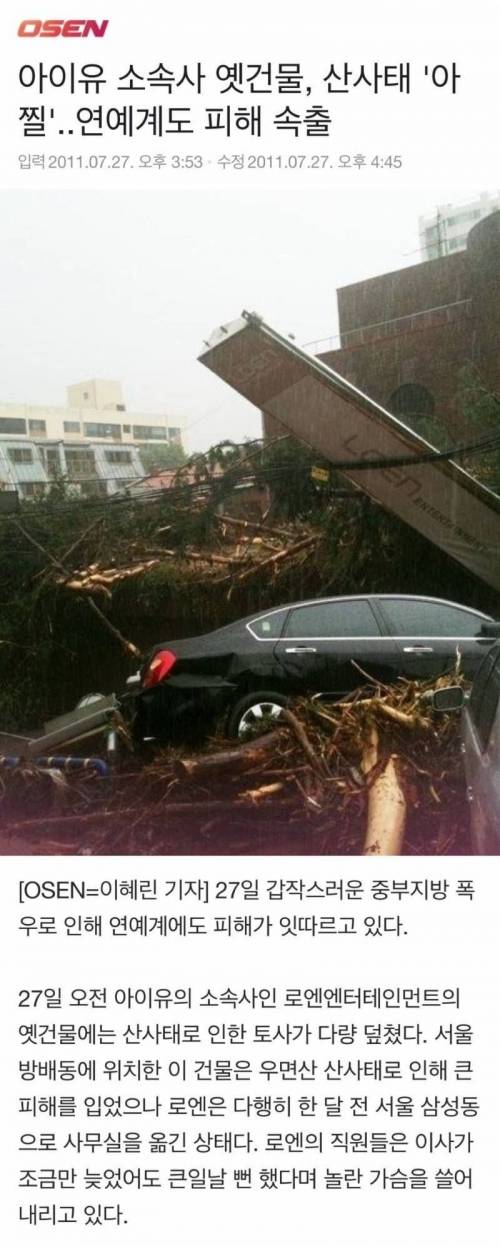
446	230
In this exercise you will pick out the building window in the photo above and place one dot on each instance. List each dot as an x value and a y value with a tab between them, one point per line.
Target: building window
10	424
93	489
80	463
52	462
32	489
20	454
414	405
412	400
150	432
37	426
71	426
118	456
126	428
174	435
103	430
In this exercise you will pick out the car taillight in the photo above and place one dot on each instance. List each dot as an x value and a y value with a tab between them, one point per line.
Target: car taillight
159	668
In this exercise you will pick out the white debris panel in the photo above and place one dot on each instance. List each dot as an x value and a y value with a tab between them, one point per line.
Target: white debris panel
438	498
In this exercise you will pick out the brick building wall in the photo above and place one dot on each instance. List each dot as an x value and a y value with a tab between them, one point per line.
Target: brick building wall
420	326
406	336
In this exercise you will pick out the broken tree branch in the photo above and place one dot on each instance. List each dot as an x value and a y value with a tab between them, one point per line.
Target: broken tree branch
242	758
274	560
251	527
317	763
128	646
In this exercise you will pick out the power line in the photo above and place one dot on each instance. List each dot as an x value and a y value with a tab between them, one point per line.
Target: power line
234	476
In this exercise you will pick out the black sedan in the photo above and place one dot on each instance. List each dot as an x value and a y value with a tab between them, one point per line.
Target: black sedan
326	648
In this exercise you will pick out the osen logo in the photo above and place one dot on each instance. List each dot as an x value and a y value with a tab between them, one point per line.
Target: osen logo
73	28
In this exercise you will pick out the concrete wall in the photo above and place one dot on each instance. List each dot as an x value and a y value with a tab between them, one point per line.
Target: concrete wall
98	394
420	287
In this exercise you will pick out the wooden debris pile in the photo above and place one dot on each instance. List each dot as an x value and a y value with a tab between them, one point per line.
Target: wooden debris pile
370	771
96	579
380	773
238	550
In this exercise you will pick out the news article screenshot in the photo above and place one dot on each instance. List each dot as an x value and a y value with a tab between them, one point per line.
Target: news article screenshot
249	623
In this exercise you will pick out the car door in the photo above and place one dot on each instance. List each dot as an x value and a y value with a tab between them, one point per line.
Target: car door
332	647
430	635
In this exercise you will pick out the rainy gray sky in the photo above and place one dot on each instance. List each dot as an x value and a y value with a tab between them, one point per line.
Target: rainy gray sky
127	285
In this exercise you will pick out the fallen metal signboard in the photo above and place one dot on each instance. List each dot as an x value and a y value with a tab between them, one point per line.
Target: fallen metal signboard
437	498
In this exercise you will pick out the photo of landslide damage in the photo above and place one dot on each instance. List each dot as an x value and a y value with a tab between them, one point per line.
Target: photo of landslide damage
286	639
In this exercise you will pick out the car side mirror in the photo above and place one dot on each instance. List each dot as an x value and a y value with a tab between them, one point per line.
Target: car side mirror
490	629
446	699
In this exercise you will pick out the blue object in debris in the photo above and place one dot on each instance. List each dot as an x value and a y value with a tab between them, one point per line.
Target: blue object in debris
58	763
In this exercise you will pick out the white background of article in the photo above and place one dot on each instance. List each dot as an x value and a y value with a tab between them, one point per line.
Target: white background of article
447	140
451	942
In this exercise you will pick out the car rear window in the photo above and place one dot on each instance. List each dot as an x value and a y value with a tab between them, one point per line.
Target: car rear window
485	696
333	619
431	619
269	627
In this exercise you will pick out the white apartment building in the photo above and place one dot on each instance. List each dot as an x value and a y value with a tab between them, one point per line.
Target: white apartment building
89	469
446	229
96	412
93	443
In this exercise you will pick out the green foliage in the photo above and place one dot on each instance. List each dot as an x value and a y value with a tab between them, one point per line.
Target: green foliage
480	409
432	429
204	464
286	466
162	457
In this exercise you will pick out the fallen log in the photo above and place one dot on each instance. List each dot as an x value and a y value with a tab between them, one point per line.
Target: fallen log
207	557
397	716
260	794
133	819
386	813
274	559
241	758
369	759
251	527
317	763
103	577
212	558
82	586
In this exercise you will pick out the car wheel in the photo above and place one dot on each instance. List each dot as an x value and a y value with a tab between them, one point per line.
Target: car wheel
255	714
